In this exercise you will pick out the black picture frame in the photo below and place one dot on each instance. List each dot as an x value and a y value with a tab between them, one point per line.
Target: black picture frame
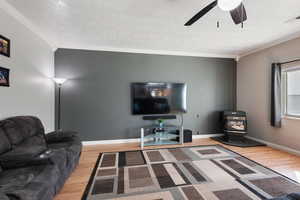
4	46
4	77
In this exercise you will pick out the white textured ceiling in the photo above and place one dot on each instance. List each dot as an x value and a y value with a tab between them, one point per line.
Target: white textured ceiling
157	25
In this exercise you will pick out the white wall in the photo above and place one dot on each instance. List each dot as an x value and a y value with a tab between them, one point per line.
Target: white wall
253	94
31	64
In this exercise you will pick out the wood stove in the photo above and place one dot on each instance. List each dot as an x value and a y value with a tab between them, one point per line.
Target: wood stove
234	125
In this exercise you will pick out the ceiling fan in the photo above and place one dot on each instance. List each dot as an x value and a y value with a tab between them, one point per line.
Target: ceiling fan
235	7
294	19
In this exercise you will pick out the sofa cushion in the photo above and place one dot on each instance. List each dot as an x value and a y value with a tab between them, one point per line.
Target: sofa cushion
18	129
32	191
35	180
72	149
3	197
17	177
60	136
59	158
25	149
35	141
30	126
30	183
25	161
4	142
25	153
13	132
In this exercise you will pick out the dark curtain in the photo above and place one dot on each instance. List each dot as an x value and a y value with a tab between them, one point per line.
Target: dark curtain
276	107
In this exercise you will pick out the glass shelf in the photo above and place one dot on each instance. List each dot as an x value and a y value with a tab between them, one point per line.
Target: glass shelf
162	136
161	142
167	135
157	126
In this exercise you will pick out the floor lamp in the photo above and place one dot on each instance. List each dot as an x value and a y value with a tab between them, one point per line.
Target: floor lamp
59	82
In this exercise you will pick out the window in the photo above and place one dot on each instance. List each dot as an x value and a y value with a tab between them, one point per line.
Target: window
291	91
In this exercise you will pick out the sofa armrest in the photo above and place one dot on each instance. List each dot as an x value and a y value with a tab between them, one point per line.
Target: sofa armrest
26	160
60	136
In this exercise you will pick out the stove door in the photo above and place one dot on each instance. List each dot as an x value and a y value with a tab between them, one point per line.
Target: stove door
237	124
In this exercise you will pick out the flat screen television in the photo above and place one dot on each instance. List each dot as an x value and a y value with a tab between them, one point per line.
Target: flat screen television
158	98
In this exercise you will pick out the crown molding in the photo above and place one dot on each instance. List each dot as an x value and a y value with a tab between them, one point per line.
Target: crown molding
156	52
270	44
9	9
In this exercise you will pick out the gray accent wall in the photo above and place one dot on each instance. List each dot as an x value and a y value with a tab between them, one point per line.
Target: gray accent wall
96	99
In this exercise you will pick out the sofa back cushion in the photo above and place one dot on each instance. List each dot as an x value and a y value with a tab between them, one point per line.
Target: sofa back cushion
19	129
13	132
30	126
4	142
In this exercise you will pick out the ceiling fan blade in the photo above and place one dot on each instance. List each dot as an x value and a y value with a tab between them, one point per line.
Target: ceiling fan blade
298	17
239	14
201	13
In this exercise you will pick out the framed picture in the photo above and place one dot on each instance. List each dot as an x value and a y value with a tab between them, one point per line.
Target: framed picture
4	46
4	77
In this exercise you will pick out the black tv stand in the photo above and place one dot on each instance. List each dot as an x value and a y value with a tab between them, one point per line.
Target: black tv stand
156	117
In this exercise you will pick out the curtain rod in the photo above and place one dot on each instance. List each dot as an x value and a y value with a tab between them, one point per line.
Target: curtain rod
297	60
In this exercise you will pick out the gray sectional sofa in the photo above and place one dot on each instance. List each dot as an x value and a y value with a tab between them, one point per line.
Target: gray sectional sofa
34	165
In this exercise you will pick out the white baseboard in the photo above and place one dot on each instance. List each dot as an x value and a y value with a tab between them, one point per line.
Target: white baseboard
136	140
206	136
277	146
121	141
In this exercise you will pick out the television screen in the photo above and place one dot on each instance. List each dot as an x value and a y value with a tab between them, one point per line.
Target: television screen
158	98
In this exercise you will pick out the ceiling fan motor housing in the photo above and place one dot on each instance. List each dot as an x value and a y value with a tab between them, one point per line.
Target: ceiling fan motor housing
236	8
228	5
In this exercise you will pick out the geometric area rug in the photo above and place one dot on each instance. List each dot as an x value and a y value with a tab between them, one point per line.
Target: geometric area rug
188	173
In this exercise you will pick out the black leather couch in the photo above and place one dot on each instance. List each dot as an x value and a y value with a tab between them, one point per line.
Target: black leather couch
34	165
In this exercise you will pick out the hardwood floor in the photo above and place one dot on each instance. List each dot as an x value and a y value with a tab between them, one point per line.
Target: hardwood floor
282	162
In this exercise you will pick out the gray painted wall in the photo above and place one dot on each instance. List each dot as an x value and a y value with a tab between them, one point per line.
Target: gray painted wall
96	99
254	89
31	66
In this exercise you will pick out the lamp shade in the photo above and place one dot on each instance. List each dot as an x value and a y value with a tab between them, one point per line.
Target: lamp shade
228	5
59	81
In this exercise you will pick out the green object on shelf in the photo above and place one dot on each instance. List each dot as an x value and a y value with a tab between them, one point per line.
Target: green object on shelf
160	122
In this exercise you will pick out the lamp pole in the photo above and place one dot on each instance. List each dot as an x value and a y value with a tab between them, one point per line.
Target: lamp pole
59	82
59	109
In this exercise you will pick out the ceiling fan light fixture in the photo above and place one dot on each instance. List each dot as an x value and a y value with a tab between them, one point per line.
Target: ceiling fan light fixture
228	5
